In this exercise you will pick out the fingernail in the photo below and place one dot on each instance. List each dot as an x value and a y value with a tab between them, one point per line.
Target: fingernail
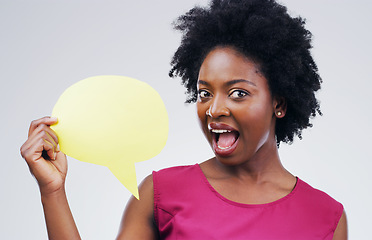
53	118
57	148
55	156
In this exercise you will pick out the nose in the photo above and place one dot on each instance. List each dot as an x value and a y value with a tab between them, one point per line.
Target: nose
218	108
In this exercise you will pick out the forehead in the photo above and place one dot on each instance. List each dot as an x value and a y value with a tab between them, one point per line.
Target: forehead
226	64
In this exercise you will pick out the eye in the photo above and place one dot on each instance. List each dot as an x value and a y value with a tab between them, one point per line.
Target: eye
238	94
204	94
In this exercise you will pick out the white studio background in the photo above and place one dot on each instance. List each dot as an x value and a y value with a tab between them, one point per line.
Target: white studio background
47	45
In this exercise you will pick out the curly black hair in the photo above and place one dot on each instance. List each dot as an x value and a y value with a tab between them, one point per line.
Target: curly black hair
263	31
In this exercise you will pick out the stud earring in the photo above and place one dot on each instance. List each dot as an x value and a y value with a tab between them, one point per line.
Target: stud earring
279	113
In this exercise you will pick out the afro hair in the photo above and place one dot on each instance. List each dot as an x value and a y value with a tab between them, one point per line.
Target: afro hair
263	31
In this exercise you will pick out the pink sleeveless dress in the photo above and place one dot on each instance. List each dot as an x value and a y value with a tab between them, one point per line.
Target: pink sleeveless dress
187	207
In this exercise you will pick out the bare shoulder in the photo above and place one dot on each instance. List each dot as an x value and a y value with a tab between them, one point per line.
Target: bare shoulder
341	230
138	217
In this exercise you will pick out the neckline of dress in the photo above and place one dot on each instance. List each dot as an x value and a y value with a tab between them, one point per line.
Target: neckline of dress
247	205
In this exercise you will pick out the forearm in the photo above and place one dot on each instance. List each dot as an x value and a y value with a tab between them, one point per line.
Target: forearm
58	217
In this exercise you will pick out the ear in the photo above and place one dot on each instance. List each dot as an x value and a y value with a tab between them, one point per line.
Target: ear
280	107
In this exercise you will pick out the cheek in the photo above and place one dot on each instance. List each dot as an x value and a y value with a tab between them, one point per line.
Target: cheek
257	118
201	111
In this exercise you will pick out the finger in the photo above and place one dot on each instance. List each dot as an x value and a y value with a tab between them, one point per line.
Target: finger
54	139
44	128
45	120
35	151
49	148
34	147
40	133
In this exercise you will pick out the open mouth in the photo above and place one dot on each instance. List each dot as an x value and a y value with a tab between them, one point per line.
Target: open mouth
224	139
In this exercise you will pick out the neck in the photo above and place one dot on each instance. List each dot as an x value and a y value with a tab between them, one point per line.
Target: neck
264	166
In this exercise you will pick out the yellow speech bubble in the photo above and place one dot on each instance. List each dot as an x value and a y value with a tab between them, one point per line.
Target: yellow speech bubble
113	121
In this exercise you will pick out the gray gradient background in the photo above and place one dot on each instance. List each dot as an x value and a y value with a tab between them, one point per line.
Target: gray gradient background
46	46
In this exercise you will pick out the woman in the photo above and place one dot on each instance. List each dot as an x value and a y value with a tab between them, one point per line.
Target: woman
247	65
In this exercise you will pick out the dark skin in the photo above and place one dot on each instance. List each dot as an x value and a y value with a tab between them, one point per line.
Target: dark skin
252	173
232	94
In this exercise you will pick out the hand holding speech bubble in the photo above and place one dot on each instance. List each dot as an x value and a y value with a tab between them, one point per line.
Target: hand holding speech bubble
114	121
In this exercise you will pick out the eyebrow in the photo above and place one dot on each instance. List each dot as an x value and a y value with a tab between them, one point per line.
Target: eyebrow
231	82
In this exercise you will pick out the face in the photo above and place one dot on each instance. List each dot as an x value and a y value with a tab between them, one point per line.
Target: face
235	107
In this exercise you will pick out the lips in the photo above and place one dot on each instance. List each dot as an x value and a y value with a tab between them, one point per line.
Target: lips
225	138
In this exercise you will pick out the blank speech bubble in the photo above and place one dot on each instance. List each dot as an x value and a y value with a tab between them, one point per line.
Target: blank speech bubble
113	121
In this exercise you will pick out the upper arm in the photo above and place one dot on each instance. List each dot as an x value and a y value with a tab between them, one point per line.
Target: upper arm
341	229
138	217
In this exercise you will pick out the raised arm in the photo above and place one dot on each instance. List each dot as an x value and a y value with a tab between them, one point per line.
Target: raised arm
49	166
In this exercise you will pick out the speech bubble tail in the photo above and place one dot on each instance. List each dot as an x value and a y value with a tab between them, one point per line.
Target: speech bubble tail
126	174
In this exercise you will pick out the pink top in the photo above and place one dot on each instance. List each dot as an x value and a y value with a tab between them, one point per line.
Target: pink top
188	207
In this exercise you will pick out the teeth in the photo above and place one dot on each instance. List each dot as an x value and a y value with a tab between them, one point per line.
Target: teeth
220	130
223	147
